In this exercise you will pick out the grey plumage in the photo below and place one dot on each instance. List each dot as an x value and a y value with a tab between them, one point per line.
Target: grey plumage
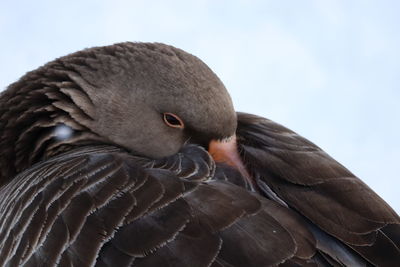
92	176
100	90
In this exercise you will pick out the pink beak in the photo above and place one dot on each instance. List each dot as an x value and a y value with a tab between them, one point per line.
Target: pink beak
226	151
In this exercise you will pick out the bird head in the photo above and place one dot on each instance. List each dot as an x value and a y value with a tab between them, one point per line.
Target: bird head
152	98
148	98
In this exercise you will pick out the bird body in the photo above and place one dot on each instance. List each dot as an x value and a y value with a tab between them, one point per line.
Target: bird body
107	160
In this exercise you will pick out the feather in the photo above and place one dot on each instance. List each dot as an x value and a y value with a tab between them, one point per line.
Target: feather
298	174
122	188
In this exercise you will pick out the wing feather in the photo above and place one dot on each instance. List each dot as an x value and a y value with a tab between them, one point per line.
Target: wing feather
323	191
101	206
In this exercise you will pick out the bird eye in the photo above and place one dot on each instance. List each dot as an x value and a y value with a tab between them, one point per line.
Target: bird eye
173	120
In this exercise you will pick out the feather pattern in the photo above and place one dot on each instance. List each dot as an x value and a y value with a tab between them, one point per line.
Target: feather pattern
321	190
88	200
101	206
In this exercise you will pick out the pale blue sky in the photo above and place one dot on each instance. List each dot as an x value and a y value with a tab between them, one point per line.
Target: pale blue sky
326	69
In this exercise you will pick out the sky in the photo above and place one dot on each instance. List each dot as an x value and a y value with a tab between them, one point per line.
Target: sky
327	69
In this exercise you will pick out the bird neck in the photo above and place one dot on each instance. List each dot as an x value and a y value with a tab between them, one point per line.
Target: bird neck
40	116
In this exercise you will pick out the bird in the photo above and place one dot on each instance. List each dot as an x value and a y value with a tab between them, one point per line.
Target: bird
132	154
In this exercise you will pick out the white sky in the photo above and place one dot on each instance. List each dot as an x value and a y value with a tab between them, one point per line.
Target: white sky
326	69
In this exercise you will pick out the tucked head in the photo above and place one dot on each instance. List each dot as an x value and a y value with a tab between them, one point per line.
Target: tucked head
147	98
133	85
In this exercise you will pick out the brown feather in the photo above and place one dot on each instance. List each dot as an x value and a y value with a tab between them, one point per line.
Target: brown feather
124	189
317	187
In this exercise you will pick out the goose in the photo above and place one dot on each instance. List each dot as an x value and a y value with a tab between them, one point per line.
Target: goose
133	155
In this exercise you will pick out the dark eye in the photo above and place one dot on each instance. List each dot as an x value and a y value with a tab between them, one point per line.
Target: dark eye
173	120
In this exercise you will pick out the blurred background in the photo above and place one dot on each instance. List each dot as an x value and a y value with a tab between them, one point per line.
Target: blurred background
327	69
